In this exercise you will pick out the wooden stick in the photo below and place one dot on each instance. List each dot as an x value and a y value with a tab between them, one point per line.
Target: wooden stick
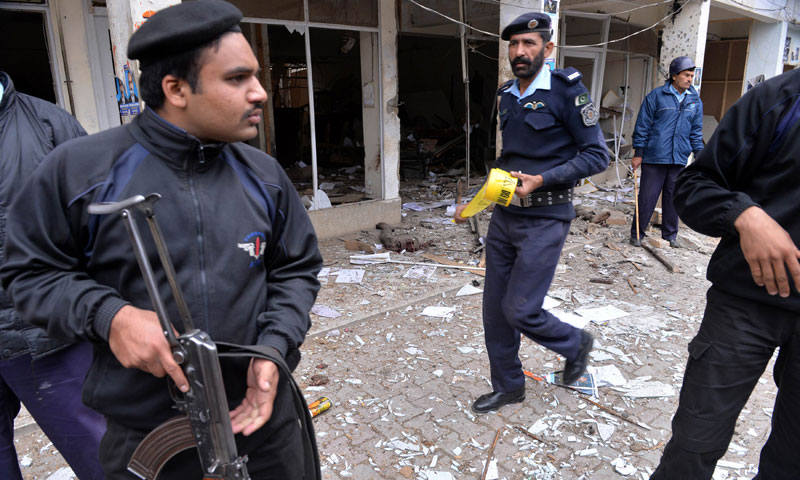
661	258
612	412
535	437
632	287
447	262
491	452
636	202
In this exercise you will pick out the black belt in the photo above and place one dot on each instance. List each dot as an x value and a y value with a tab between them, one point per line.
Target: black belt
541	199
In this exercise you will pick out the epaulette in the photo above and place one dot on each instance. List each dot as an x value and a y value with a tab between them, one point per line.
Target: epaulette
569	75
505	87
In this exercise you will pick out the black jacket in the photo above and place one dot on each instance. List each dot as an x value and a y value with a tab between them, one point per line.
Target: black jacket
29	129
242	244
753	158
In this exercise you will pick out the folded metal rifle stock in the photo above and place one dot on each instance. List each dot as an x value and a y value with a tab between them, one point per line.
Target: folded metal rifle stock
206	424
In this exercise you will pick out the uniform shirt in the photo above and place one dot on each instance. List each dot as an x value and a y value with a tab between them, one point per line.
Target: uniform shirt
551	132
679	95
540	82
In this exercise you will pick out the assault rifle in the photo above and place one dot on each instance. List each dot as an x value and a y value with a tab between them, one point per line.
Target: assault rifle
206	424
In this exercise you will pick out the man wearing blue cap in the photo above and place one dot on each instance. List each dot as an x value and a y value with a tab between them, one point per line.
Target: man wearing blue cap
550	140
669	127
243	247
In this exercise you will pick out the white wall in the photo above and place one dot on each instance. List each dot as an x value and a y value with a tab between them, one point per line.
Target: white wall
765	50
793	34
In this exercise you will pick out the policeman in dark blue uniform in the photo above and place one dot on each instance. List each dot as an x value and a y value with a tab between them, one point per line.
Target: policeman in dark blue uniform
550	140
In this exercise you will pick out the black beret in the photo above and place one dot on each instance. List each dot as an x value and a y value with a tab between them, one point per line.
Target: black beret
527	22
182	27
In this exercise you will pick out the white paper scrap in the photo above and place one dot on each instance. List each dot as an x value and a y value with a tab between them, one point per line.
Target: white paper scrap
350	276
601	314
468	289
607	375
442	312
420	272
550	303
325	311
575	320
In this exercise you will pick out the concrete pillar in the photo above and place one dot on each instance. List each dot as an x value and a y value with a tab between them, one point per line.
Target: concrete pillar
124	17
765	50
370	115
508	12
389	26
686	35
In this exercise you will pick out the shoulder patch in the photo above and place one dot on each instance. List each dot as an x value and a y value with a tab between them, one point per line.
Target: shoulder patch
505	86
582	99
569	74
590	115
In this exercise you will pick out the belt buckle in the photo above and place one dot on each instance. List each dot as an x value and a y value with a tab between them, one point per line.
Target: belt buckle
525	201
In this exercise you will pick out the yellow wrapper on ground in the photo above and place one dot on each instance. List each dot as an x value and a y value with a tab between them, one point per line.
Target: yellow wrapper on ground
499	188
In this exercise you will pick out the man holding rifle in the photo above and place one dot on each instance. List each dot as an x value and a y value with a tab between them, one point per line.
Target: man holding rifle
244	250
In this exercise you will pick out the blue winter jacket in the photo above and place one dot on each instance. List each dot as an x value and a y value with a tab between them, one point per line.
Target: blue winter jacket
667	132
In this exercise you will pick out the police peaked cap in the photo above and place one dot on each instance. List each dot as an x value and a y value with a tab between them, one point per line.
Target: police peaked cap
527	22
181	28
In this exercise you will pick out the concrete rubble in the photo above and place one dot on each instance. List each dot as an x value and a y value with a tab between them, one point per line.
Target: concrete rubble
398	348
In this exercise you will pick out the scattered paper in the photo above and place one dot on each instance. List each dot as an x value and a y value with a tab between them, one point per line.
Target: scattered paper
325	311
468	289
601	314
442	312
585	384
607	375
572	319
639	388
550	303
350	276
420	272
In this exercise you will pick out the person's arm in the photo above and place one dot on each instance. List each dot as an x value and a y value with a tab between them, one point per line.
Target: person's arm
592	154
44	268
710	194
644	122
696	133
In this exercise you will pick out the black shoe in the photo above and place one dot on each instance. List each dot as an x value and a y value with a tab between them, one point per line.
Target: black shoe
636	242
493	401
574	369
674	243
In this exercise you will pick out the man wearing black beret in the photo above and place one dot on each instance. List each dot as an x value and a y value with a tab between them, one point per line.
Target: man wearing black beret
550	141
241	242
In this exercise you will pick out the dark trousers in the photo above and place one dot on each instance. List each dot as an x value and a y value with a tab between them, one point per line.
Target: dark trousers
727	357
50	388
655	179
275	452
521	258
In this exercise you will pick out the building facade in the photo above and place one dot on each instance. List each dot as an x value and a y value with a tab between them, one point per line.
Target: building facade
367	93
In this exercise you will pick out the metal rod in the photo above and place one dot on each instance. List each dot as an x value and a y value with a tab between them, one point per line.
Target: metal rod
166	262
149	277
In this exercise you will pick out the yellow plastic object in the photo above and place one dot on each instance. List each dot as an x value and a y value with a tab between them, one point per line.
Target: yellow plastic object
499	188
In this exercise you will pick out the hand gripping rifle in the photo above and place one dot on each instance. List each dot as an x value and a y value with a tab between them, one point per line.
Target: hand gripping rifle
206	424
